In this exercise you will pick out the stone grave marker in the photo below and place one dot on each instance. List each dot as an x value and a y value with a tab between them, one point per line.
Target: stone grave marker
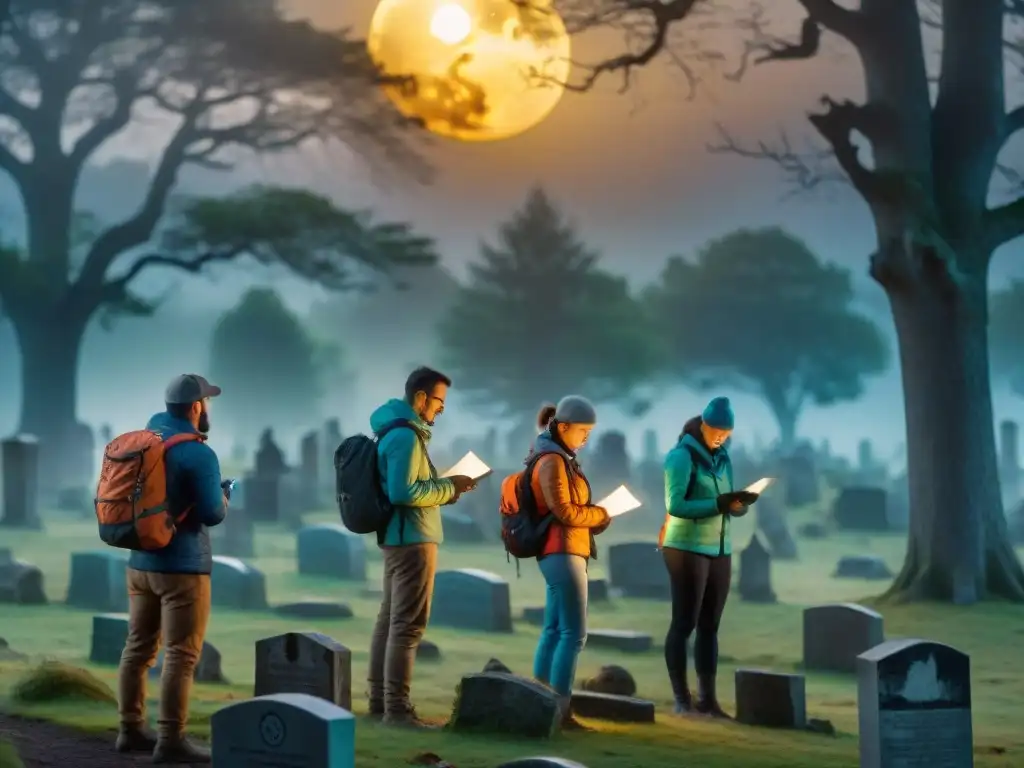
637	570
608	706
534	614
236	535
97	581
756	572
109	634
624	640
598	591
262	497
771	699
469	598
304	662
314	609
862	567
283	730
836	634
499	702
19	462
236	584
611	678
428	651
331	550
861	508
772	524
460	528
914	706
21	583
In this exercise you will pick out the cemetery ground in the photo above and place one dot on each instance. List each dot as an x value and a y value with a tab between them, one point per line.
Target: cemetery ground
753	635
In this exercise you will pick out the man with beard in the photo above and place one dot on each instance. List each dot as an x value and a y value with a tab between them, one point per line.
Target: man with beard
169	588
410	540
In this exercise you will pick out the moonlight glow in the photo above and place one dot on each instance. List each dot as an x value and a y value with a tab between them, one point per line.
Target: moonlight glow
471	67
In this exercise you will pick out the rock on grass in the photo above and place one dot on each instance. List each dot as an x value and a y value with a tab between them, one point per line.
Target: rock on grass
52	681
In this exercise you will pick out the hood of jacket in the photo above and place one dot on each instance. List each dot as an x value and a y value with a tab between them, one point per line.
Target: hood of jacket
394	410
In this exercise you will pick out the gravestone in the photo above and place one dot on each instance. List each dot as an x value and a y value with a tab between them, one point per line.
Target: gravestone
772	523
304	662
636	568
262	498
331	550
460	528
109	634
836	634
469	598
236	535
21	583
97	581
314	609
309	470
236	584
283	730
19	462
613	679
534	614
499	702
861	508
770	699
428	651
624	640
208	670
862	567
597	591
914	706
756	572
610	462
800	478
608	706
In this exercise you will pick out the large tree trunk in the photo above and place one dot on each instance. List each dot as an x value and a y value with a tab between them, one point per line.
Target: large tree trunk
958	548
786	419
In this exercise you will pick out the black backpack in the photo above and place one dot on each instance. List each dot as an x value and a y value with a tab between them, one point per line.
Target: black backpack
363	505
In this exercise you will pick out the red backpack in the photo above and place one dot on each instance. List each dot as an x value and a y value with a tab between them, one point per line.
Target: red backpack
131	496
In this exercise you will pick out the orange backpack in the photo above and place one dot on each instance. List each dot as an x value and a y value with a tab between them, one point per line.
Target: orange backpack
131	496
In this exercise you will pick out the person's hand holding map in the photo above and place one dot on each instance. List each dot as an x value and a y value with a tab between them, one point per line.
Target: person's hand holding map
738	501
619	502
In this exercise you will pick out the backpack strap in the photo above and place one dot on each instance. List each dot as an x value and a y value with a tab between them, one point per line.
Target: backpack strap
380	435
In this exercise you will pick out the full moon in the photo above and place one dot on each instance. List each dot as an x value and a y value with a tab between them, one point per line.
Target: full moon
469	68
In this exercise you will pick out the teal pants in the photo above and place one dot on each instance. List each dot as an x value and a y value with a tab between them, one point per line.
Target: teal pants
565	621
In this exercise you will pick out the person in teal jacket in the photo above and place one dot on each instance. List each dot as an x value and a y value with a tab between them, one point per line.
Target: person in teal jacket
697	549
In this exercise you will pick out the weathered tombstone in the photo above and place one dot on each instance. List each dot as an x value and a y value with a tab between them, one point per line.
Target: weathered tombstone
597	591
862	567
460	528
269	460
636	568
283	729
770	699
109	634
612	679
97	581
304	662
608	706
914	706
236	536
208	670
860	508
756	572
236	584
502	703
19	462
331	550
428	651
624	640
314	609
309	470
542	762
836	634
21	583
469	598
772	523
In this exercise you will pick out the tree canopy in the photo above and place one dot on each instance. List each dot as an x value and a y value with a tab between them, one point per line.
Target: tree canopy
1006	326
539	319
759	311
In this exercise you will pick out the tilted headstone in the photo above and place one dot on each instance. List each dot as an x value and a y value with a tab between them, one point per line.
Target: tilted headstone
637	569
861	508
624	640
862	567
771	699
19	462
507	704
836	634
236	584
608	706
207	670
331	550
756	572
304	662
772	524
914	706
97	581
284	729
469	598
109	634
21	583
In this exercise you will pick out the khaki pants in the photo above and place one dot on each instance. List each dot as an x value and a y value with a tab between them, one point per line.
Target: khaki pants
404	612
176	606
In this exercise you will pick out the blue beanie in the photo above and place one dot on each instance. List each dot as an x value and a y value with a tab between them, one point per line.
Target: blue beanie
718	414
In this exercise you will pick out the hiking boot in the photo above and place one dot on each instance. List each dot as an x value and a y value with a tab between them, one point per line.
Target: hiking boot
180	750
407	719
135	738
707	701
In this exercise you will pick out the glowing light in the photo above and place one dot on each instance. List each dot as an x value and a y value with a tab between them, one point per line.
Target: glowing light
451	24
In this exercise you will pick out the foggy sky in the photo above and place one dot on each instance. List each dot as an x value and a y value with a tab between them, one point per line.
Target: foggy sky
632	170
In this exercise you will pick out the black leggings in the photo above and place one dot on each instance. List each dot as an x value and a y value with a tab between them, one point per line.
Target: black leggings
700	587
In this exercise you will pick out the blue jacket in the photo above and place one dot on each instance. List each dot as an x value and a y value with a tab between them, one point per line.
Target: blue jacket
193	477
409	479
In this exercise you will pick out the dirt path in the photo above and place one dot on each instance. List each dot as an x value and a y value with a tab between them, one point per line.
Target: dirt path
47	745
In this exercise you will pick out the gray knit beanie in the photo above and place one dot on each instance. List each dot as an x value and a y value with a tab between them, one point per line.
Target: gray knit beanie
574	409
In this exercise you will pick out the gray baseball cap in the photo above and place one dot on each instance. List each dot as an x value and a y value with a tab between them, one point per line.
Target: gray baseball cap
189	388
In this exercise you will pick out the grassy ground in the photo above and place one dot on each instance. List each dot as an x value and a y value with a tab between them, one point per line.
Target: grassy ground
760	636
